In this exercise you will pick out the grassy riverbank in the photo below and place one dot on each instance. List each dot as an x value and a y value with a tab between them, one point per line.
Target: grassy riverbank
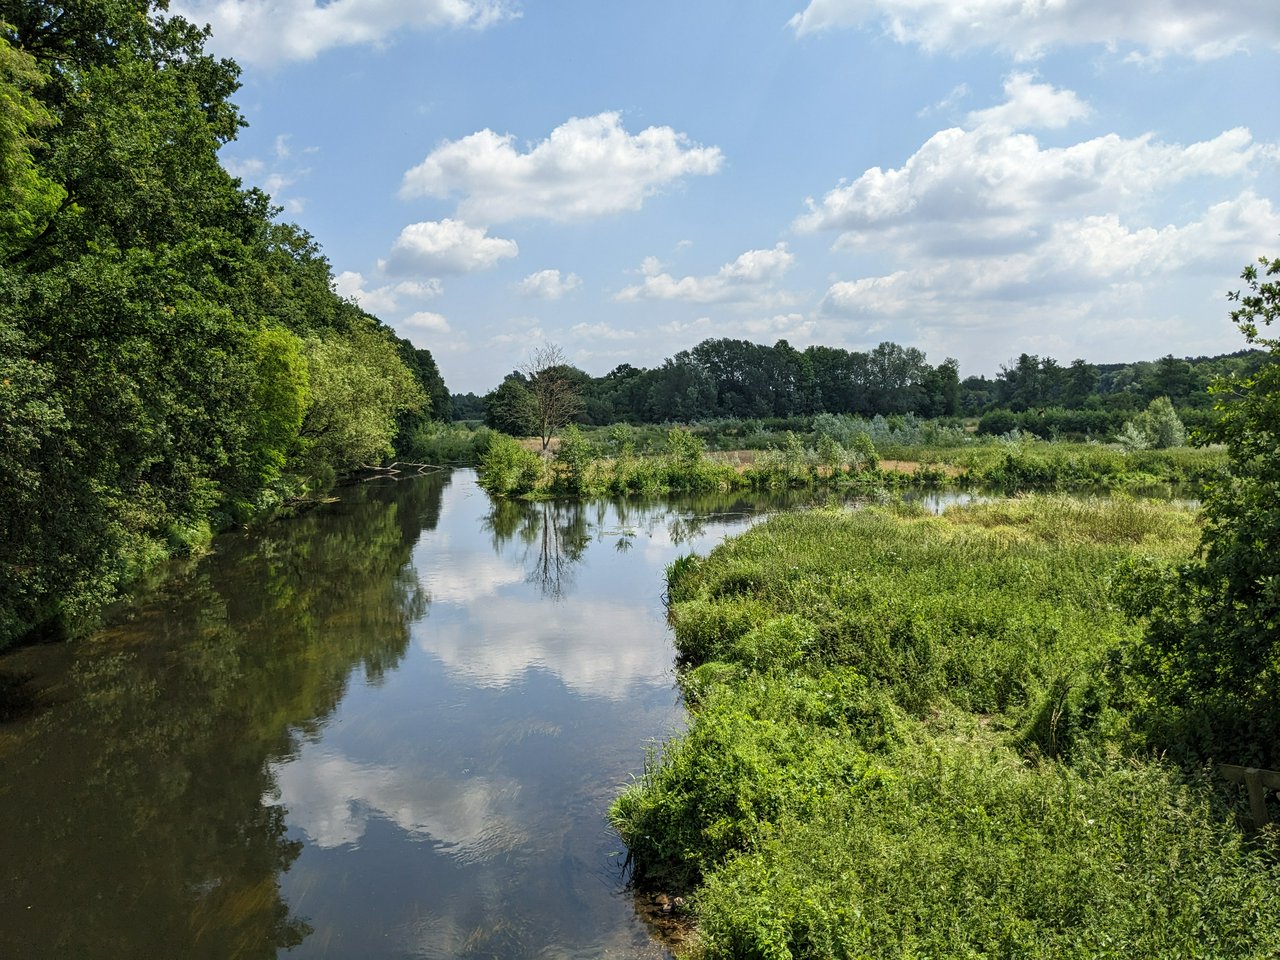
617	464
917	736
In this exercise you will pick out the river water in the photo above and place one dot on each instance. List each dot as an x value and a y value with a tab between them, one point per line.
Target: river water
389	728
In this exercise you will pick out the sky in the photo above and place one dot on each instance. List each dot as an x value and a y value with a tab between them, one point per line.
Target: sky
1066	178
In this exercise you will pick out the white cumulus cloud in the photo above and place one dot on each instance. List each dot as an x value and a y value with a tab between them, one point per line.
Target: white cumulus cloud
985	236
601	331
1031	105
1026	29
1081	264
746	278
268	32
549	284
386	298
790	326
588	167
426	320
1006	189
446	246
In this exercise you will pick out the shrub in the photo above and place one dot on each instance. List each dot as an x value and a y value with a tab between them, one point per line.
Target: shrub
445	444
862	453
1156	428
572	460
1212	651
508	469
996	423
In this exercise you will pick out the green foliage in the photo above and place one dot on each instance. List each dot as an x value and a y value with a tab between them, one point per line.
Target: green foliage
173	356
442	444
738	382
622	439
28	197
829	452
787	466
684	448
677	460
278	400
862	453
838	428
1212	651
960	850
996	423
358	385
554	391
1132	437
508	469
1156	428
509	408
690	814
572	460
1037	465
31	422
915	736
436	406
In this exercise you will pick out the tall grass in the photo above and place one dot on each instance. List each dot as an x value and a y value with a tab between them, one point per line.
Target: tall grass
624	460
916	736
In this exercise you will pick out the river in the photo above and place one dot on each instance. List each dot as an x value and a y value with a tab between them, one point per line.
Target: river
388	728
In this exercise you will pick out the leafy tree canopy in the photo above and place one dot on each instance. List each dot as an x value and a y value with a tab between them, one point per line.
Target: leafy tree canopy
1212	651
172	355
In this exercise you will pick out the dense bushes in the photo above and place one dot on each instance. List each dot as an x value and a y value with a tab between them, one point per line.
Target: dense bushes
508	469
579	468
443	444
1212	655
954	849
843	454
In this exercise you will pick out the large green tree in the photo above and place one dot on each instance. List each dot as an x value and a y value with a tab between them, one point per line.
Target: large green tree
358	385
28	198
171	354
1212	649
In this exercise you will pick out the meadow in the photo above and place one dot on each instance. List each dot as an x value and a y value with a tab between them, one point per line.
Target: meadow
818	452
919	736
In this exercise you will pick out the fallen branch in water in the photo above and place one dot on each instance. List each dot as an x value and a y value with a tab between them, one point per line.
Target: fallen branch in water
394	471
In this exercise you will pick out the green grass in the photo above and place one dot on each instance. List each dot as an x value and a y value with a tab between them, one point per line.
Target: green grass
624	460
916	736
1062	465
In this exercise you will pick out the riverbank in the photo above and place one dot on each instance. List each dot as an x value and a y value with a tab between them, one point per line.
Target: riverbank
578	466
918	736
389	727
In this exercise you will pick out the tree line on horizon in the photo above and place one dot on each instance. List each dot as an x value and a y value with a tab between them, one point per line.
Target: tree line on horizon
728	378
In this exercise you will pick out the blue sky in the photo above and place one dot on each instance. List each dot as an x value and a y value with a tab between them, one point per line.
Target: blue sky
1069	178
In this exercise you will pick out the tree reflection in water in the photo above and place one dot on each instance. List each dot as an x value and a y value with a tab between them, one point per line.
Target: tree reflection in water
553	533
135	813
144	816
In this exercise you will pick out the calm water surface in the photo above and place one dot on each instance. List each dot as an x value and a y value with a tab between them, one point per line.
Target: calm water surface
389	728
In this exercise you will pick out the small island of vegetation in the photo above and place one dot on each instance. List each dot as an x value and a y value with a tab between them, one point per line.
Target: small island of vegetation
989	733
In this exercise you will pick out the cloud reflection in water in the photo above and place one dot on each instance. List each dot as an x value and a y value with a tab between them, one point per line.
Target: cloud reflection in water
332	799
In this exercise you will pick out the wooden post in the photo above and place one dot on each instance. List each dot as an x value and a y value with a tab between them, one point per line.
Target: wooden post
1257	797
1257	782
